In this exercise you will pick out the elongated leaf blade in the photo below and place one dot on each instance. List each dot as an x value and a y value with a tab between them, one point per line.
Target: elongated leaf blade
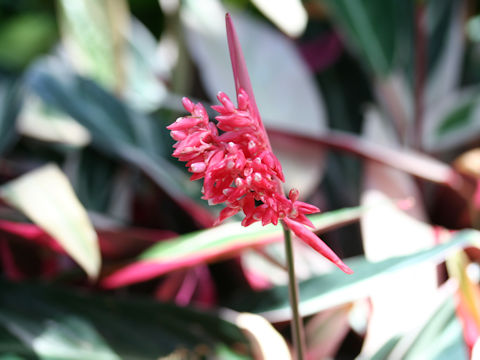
105	43
439	338
468	297
443	330
446	49
47	198
93	33
391	232
209	245
325	291
55	323
452	121
411	162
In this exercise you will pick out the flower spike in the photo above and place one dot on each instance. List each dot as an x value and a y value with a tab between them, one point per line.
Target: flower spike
235	160
239	67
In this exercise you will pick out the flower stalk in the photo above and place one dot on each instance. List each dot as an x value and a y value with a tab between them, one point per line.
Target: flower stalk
294	297
239	169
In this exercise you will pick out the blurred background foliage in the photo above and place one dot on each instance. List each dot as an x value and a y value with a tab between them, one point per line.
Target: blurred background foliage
107	250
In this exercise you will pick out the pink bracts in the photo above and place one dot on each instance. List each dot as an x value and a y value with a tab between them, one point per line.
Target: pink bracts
236	161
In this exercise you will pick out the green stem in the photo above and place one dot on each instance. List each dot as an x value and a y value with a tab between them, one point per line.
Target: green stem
297	324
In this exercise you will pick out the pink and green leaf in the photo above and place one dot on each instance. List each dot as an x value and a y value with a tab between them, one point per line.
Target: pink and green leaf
210	245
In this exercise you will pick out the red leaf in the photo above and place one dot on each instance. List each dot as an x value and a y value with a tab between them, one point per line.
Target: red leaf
30	232
145	270
194	286
121	242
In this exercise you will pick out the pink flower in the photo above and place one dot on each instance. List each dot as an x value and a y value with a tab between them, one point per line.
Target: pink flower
236	162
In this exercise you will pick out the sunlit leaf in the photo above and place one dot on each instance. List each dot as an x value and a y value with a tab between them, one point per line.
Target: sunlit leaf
58	324
439	339
266	342
392	232
384	352
468	297
143	89
40	122
94	34
325	331
105	43
325	291
47	198
289	15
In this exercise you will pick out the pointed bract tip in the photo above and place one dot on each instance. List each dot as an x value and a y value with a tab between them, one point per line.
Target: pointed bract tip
316	243
344	268
228	20
188	105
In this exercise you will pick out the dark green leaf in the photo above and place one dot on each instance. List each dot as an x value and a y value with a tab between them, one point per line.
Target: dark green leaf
94	181
10	103
453	121
24	37
458	118
60	324
378	29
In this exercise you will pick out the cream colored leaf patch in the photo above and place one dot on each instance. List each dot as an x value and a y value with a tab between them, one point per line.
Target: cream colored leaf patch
47	198
289	15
